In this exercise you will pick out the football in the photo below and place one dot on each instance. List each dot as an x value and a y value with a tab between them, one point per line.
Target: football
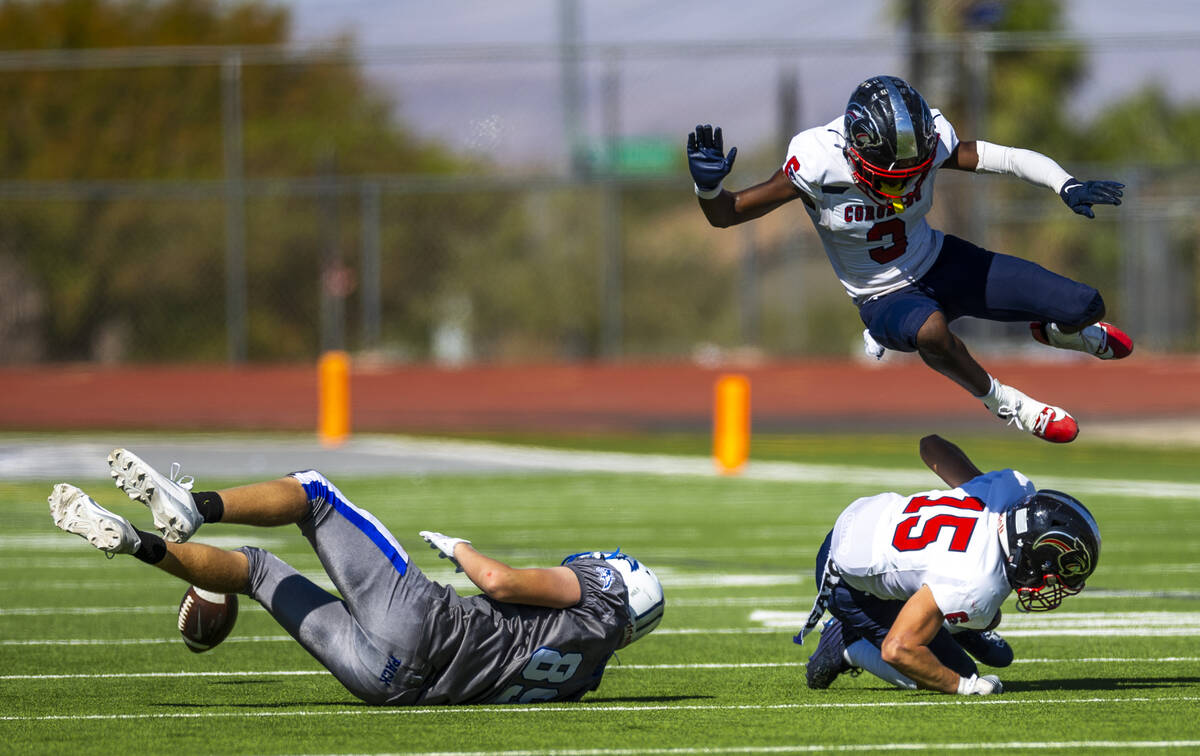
205	618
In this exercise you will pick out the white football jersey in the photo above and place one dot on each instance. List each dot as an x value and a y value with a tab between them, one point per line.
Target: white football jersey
890	545
874	248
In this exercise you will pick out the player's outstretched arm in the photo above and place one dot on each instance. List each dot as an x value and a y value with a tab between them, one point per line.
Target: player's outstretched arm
710	165
1036	168
906	648
555	587
947	461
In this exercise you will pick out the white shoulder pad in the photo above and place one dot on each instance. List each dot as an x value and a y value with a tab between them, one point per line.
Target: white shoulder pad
947	137
814	159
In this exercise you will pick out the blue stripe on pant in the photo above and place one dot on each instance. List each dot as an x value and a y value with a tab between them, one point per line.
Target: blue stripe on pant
318	488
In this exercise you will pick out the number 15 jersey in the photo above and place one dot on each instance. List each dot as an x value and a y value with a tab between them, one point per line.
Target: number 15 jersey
890	545
875	248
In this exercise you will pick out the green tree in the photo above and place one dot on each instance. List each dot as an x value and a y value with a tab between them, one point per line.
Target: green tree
148	271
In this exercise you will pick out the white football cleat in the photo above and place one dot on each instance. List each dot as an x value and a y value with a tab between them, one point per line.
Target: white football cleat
76	512
169	498
1103	340
1045	421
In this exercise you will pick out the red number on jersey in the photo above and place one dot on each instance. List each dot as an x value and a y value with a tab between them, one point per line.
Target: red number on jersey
971	503
964	526
894	228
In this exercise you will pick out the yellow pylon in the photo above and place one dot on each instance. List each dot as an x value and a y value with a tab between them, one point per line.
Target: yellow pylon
333	388
731	423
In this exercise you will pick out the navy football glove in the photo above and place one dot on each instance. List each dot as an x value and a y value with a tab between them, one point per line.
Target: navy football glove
707	159
1081	195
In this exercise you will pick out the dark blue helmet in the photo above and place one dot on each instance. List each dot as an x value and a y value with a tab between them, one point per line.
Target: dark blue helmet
1052	543
890	136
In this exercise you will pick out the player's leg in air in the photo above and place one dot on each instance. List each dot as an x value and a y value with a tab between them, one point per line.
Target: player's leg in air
912	320
325	625
1064	313
969	280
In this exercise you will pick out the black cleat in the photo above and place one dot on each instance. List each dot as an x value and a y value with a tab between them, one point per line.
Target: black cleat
829	660
987	646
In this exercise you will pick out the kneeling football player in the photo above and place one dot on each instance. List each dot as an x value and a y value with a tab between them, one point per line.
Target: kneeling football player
914	583
395	637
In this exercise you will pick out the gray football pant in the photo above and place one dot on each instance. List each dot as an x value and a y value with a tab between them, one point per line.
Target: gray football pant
372	638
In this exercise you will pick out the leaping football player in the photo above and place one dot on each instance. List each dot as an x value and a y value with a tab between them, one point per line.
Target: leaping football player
866	180
915	583
394	636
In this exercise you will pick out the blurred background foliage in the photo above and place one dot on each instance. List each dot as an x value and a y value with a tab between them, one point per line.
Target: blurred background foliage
114	221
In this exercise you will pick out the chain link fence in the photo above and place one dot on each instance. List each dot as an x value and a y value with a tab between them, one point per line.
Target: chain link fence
587	244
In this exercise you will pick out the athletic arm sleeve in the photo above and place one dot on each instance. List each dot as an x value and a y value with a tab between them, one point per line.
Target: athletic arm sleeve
1031	166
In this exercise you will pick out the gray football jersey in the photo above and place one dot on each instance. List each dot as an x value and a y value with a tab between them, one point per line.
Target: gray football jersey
485	651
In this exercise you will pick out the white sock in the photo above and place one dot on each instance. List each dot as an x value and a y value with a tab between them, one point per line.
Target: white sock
862	654
991	399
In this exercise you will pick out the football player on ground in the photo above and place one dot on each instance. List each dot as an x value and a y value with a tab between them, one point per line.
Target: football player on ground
866	180
394	637
912	581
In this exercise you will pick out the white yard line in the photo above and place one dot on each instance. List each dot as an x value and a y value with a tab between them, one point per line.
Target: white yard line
981	747
381	455
1084	624
611	668
606	708
801	601
772	621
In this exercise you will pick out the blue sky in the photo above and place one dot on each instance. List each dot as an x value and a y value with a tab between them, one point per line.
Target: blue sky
514	110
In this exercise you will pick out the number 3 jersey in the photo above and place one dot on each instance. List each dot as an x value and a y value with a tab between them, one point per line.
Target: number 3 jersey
890	545
488	651
875	248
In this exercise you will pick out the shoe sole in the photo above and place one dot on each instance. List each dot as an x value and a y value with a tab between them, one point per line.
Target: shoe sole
1118	342
136	479
75	512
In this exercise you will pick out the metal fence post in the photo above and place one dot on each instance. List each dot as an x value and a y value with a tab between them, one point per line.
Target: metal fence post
370	271
235	207
611	271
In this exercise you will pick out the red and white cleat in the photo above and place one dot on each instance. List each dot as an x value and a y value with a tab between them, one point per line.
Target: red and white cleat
1103	340
1045	421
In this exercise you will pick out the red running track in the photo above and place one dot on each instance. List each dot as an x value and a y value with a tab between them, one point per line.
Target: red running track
799	395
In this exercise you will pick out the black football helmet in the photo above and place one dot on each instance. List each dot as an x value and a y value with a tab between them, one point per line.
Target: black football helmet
1051	545
890	137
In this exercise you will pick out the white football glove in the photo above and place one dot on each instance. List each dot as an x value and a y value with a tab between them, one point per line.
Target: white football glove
445	545
979	686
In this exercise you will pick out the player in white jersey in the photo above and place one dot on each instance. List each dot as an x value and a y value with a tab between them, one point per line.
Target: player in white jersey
912	581
866	180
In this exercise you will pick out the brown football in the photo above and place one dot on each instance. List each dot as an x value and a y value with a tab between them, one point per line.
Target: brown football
205	618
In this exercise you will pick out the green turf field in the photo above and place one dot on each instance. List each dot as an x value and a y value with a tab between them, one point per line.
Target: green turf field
90	660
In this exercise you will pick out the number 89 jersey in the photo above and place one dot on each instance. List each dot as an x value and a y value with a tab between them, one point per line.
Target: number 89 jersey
890	545
875	246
